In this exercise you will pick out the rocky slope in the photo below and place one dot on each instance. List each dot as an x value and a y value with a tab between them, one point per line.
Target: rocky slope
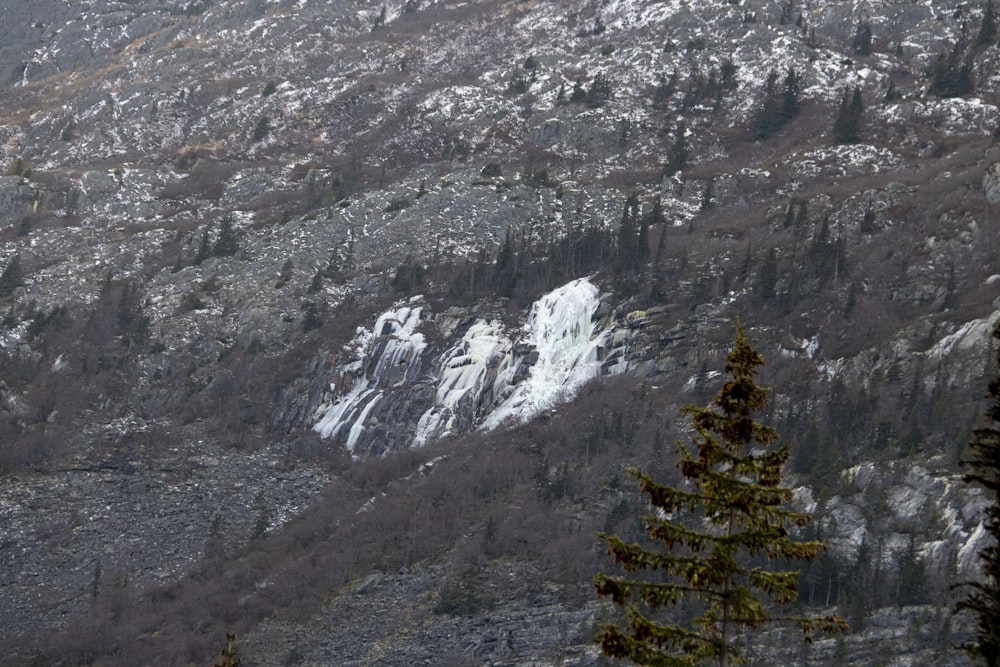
244	241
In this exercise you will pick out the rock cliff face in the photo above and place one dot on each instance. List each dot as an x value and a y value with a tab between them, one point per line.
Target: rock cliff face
248	247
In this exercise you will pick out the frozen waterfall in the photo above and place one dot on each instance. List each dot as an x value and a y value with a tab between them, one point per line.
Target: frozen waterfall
381	358
468	372
488	378
561	330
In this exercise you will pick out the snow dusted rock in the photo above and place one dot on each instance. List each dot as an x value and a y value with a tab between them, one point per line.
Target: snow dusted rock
16	198
968	554
381	359
469	373
846	525
991	183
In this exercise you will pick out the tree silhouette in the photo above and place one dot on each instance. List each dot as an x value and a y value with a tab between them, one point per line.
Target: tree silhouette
678	156
629	253
767	277
951	73
777	107
988	28
862	42
599	93
229	655
983	599
226	244
847	125
204	248
12	276
731	509
790	96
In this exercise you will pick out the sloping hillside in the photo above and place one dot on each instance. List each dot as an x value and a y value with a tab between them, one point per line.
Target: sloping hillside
335	324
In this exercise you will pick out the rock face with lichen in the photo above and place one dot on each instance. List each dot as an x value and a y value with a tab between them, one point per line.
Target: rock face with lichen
415	197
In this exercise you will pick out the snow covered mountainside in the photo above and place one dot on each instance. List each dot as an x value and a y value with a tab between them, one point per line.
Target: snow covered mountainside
334	323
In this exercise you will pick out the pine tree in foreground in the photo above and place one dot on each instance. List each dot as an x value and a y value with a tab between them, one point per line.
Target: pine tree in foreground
730	512
983	600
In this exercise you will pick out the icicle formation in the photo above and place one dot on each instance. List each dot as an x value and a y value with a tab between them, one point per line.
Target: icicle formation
560	328
468	376
383	358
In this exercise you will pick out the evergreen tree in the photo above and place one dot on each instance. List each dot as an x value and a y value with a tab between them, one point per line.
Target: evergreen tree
518	82
790	213
310	317
665	89
642	242
808	451
988	28
951	73
12	276
655	217
951	288
707	196
599	93
790	96
696	91
867	225
767	278
409	276
628	237
678	156
261	130
862	42
787	8
727	75
847	126
204	248
317	282
911	585
891	94
777	108
768	118
380	20
747	265
983	600
730	510
226	244
658	278
505	267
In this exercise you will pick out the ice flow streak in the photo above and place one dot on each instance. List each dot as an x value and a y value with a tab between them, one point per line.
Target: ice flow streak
562	332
